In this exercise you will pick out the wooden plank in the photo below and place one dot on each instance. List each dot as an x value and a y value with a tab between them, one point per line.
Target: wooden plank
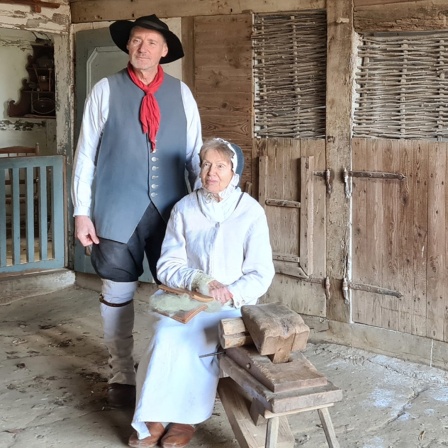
210	30
263	177
420	247
361	302
298	373
102	10
316	148
187	37
443	277
248	435
228	102
404	163
306	236
341	41
436	271
389	204
217	85
227	126
375	234
419	15
220	81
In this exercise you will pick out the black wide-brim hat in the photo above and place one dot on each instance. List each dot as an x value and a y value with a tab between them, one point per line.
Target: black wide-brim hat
121	30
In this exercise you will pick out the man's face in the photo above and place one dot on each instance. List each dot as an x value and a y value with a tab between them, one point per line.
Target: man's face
146	48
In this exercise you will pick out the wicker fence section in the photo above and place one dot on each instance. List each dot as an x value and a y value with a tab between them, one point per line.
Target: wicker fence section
402	86
290	74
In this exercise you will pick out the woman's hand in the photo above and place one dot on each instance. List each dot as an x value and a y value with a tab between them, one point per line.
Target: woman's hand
219	292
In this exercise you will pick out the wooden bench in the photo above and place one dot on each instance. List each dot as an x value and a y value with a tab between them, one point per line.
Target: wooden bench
266	377
258	416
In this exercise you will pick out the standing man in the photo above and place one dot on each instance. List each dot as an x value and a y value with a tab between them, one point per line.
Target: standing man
140	132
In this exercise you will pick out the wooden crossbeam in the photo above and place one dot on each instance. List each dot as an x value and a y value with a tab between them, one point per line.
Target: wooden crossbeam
36	5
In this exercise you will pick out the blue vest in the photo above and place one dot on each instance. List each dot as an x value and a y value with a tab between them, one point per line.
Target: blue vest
128	176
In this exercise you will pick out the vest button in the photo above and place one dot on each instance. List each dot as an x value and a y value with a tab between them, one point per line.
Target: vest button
153	194
154	159
154	168
154	186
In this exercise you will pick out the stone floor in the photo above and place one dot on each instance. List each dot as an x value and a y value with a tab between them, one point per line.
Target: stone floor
53	373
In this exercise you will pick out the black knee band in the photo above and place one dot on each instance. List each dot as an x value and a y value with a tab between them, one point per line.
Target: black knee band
114	305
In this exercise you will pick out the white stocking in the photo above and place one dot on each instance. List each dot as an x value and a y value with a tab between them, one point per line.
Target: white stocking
118	325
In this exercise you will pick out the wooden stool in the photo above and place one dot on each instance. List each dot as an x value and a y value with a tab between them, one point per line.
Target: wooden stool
256	413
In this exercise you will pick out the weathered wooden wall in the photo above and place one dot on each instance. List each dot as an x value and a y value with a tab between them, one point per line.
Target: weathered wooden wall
223	82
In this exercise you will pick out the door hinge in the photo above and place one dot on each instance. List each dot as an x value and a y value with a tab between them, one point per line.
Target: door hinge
328	178
367	175
374	289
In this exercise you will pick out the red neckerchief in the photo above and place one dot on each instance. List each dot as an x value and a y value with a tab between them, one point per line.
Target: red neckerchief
149	109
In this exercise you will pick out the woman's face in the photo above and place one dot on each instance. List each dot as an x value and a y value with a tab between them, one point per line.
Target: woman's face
216	171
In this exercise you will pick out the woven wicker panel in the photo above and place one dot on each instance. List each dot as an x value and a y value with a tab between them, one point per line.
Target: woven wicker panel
402	86
290	52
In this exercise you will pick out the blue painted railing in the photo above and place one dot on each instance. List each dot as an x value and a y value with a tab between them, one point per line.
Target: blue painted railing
31	213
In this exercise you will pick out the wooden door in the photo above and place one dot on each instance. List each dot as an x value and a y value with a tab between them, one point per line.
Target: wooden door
399	251
292	190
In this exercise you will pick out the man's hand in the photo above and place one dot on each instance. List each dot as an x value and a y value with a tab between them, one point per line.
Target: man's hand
85	231
219	292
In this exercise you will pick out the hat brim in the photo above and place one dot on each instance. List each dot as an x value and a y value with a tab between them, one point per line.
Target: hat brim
121	30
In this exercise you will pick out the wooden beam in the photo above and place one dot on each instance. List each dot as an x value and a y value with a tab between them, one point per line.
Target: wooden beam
340	71
83	11
36	5
400	15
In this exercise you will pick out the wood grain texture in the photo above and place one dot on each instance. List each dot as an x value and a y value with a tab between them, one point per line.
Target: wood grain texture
399	238
341	39
400	15
94	10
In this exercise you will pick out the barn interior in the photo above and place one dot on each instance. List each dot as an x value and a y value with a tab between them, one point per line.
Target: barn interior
339	107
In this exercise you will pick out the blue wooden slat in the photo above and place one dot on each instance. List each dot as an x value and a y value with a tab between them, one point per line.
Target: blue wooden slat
29	183
15	192
57	225
2	218
43	214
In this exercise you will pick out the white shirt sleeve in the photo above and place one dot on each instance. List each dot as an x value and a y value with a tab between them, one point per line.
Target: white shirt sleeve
96	110
194	134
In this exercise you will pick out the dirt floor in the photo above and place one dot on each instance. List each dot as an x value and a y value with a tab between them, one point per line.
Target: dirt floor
53	371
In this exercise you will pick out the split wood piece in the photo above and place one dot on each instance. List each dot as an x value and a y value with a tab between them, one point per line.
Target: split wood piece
232	333
298	373
249	435
275	329
183	316
193	294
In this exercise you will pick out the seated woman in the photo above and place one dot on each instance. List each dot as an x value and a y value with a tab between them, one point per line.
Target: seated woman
216	242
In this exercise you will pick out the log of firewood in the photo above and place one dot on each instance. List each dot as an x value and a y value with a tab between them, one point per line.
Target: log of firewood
275	330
